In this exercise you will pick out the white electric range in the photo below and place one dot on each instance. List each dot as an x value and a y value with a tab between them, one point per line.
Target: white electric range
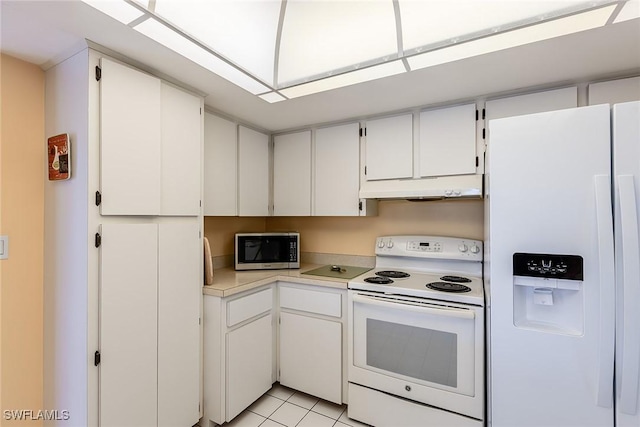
416	334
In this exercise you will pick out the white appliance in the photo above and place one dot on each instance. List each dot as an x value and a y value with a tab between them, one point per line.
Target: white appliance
416	334
562	268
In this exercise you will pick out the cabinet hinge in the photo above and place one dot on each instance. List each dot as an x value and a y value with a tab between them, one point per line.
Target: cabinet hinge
477	161
483	133
98	240
200	111
365	170
363	131
200	203
476	115
98	73
199	320
484	113
98	198
96	358
360	205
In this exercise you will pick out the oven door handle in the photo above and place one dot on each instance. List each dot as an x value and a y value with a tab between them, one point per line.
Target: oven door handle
417	307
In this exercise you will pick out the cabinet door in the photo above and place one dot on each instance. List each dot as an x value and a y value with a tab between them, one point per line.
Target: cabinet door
448	141
179	293
337	171
128	325
615	91
531	103
220	167
389	150
311	356
253	173
129	141
292	174
181	143
249	364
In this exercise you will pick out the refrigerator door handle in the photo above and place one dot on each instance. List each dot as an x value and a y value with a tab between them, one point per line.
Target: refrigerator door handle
631	288
604	219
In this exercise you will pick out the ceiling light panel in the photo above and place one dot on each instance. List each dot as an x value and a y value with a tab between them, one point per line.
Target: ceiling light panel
359	76
319	37
185	47
443	22
118	9
534	33
631	10
242	31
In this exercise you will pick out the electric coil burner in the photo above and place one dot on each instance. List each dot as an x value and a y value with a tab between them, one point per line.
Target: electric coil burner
393	274
448	287
455	279
378	280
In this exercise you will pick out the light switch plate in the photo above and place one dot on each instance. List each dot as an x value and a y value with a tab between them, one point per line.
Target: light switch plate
4	247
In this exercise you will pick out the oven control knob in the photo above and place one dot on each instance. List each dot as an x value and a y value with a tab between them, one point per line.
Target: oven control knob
390	244
463	248
475	249
407	387
381	244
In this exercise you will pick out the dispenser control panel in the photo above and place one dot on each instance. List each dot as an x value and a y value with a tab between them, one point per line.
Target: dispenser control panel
567	267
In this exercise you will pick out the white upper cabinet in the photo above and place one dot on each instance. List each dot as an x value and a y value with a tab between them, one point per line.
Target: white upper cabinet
448	141
253	173
389	150
292	174
531	103
130	132
615	91
150	142
221	167
181	142
337	170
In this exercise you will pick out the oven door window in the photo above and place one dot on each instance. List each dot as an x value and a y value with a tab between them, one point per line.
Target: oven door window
427	344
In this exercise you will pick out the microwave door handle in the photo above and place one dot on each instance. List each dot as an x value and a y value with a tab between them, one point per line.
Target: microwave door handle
631	288
415	307
606	267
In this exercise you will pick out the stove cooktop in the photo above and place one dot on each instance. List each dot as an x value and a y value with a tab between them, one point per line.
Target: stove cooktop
457	288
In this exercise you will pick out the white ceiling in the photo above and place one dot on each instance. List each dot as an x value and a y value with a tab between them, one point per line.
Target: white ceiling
45	32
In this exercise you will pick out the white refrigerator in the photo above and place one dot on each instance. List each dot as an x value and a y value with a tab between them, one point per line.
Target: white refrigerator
562	270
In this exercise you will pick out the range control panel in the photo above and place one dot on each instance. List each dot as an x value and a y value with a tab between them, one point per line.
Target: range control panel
430	246
568	267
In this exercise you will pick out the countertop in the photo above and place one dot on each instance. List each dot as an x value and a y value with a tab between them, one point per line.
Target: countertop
228	281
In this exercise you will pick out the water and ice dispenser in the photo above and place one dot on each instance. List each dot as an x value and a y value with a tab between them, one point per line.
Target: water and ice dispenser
548	293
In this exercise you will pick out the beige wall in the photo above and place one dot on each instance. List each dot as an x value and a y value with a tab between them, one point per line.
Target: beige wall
22	164
356	235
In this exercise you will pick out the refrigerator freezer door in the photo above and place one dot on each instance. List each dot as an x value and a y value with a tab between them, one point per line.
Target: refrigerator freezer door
550	364
626	167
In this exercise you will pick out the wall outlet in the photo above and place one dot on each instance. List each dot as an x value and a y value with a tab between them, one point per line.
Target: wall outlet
4	247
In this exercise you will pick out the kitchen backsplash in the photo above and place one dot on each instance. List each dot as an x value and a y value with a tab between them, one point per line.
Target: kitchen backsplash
356	235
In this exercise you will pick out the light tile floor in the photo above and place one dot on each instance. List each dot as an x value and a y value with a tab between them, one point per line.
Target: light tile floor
282	406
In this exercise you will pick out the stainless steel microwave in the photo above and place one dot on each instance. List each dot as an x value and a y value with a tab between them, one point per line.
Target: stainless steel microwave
265	251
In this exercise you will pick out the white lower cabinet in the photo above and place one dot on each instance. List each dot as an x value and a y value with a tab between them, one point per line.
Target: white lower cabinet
311	355
239	365
312	332
240	336
249	364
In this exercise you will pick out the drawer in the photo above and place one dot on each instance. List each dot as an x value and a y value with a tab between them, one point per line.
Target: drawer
326	303
249	306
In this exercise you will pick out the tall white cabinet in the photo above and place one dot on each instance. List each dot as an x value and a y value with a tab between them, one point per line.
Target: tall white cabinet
124	245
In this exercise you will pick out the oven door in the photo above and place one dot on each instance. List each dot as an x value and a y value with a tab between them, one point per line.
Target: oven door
428	351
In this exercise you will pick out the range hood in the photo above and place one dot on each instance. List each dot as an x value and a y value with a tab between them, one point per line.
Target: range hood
436	188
